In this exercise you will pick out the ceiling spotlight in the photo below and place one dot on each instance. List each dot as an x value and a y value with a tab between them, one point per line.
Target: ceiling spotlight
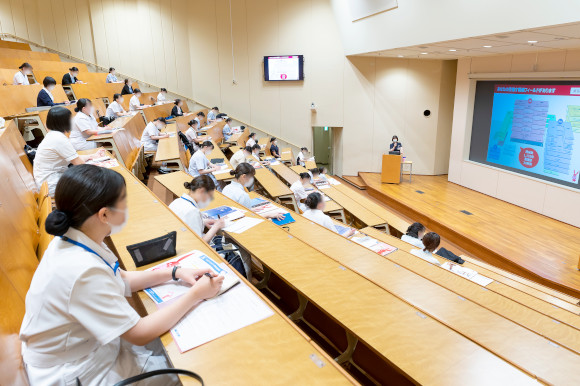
452	50
532	41
486	46
400	56
423	53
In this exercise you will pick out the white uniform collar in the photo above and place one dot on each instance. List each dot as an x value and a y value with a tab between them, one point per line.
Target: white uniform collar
101	250
237	185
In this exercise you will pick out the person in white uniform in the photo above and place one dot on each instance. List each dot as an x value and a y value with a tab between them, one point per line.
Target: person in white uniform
112	78
115	109
191	134
55	153
251	140
431	242
227	130
152	134
199	163
299	190
315	213
300	158
84	125
162	96
78	325
415	233
134	102
21	77
187	207
236	190
241	156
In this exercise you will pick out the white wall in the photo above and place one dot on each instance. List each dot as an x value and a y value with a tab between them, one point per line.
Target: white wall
417	22
186	46
561	203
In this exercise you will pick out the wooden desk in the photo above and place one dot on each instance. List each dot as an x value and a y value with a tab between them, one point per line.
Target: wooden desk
458	303
15	99
272	187
15	45
121	143
357	214
274	344
418	345
27	56
218	153
171	150
310	165
96	90
286	156
240	139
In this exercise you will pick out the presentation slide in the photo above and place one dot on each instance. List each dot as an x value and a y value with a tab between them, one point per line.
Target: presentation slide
536	128
284	67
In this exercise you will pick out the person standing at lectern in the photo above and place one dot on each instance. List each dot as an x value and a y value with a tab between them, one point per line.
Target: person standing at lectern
396	145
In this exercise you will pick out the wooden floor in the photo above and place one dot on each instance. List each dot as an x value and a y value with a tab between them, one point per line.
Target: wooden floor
508	236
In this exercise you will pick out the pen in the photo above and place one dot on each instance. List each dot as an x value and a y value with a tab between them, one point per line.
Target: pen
208	275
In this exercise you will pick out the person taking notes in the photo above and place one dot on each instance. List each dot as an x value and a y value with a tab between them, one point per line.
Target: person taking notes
21	77
299	190
315	213
152	134
431	242
241	156
84	125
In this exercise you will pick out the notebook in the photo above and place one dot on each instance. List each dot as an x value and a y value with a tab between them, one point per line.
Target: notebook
216	160
288	219
226	212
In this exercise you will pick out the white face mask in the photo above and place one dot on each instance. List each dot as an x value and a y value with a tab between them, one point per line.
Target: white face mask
207	153
249	183
90	111
204	204
50	88
121	100
118	228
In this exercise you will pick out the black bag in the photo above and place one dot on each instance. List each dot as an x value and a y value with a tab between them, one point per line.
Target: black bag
30	153
153	250
450	256
153	373
185	141
106	120
229	252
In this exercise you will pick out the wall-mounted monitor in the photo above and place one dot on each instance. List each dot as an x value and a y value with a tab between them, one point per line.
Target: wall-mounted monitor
529	127
284	68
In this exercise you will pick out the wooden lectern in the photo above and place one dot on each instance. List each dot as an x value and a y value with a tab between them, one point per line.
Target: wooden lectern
391	173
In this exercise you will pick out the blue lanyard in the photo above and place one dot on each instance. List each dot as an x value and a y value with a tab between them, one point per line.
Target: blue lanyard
115	268
195	206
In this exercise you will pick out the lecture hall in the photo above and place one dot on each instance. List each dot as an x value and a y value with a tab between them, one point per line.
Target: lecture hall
289	192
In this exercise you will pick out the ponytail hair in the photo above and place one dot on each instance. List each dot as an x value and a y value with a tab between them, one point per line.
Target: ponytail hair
431	241
200	182
241	169
304	175
80	193
414	229
313	200
82	103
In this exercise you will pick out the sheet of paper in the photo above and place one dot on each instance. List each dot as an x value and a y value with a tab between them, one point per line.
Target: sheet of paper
227	170
242	225
333	181
381	248
196	260
481	280
235	309
104	162
458	270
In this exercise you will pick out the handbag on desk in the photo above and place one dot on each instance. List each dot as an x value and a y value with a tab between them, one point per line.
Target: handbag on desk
153	250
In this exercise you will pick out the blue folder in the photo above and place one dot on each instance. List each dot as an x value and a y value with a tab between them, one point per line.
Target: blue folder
220	211
288	219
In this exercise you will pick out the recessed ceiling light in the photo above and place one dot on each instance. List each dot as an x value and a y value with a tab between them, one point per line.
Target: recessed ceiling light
532	41
400	56
452	50
423	53
486	46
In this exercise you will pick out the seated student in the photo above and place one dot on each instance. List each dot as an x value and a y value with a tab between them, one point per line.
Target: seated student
256	152
112	78
414	235
79	327
315	212
244	177
21	77
71	76
161	97
187	207
115	109
45	97
55	152
227	130
323	172
241	156
199	163
84	125
191	134
127	89
274	148
176	110
134	102
199	117
251	140
314	175
212	114
431	241
152	134
300	191
300	158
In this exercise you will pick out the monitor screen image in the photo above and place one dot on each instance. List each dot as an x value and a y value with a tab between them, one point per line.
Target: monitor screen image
284	68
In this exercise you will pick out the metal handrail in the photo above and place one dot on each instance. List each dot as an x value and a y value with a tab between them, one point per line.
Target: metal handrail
106	69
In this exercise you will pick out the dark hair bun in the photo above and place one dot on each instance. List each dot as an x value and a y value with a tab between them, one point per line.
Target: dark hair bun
187	185
57	223
232	172
77	109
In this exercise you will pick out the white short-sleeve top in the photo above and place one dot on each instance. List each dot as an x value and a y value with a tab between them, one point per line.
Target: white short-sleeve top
236	192
186	209
150	144
53	156
78	137
317	216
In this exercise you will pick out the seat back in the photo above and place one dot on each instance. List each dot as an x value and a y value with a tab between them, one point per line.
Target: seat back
15	45
27	56
15	99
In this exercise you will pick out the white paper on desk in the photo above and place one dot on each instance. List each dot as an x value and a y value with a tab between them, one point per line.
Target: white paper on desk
211	319
268	208
274	163
104	162
222	171
481	280
467	273
333	181
242	225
